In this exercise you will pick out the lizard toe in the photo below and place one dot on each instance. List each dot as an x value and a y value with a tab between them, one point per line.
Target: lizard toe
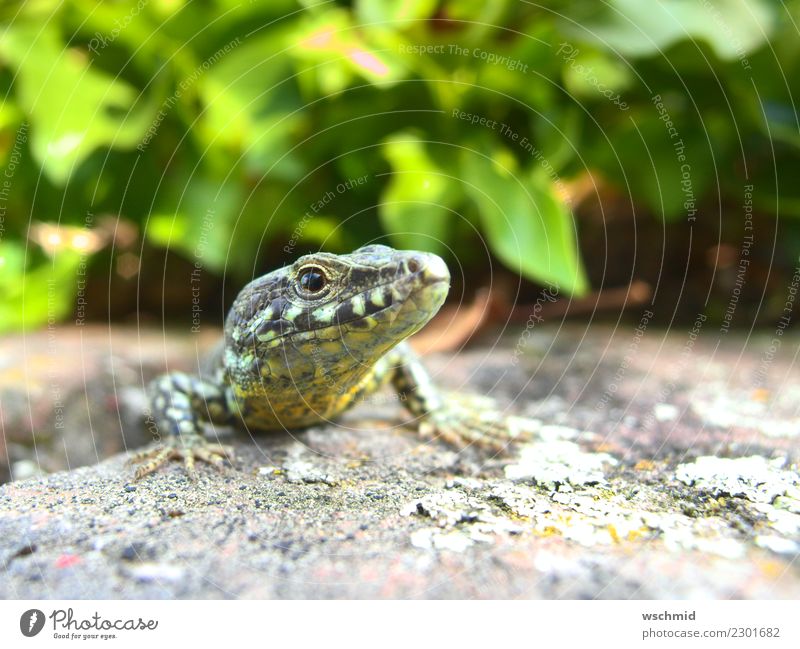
190	451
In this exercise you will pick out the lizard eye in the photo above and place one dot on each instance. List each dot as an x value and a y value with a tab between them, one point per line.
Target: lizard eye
313	279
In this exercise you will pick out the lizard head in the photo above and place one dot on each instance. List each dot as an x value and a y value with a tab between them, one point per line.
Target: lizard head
338	312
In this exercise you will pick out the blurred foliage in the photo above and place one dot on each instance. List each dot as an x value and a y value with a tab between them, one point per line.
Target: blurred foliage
216	126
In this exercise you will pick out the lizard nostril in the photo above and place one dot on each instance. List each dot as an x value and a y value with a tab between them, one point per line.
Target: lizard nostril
413	265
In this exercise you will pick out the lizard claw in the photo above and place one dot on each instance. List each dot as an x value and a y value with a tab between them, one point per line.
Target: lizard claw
465	422
190	451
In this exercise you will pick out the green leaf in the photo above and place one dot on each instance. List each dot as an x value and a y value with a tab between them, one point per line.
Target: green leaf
665	170
557	134
322	231
416	205
250	103
35	295
732	28
390	11
331	52
597	76
201	222
529	229
10	115
73	107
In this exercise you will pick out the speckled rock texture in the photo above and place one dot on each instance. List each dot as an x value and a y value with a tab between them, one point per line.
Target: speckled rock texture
655	472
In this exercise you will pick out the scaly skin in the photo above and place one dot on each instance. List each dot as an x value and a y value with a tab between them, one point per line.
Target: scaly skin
304	342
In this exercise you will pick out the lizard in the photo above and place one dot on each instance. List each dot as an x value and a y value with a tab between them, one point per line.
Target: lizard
304	343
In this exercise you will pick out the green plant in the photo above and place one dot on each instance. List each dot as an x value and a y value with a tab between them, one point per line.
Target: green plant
221	126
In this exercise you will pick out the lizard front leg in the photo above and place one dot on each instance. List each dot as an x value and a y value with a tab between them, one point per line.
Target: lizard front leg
460	420
181	404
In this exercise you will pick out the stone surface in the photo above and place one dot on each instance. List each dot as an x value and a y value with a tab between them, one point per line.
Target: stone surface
654	473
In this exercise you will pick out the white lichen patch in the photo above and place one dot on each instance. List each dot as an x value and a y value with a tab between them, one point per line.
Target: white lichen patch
518	425
777	544
446	508
772	415
590	517
665	412
450	508
461	521
554	433
553	463
788	503
780	520
580	507
521	501
301	471
773	491
155	572
709	535
587	516
755	478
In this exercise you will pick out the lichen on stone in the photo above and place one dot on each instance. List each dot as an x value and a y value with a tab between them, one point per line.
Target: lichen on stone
559	462
755	478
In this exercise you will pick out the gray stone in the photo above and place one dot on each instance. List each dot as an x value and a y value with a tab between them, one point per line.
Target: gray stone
646	493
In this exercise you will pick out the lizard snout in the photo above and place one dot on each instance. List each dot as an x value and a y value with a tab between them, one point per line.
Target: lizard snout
429	268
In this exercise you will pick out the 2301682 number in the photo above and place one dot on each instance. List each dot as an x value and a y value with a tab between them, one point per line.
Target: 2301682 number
755	632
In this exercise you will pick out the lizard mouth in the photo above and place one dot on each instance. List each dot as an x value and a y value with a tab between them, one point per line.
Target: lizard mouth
433	270
423	291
